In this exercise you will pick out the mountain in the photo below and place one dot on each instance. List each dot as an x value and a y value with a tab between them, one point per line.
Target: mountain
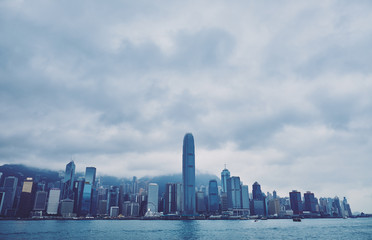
21	172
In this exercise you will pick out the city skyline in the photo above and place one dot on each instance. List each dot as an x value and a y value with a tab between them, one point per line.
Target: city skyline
279	90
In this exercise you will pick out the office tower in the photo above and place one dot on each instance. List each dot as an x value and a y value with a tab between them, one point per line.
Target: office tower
114	212
234	193
40	201
113	197
53	201
200	204
152	197
67	208
134	185
225	174
78	195
347	208
188	175
102	207
224	202
213	199
94	204
172	198
256	191
90	176
274	207
337	207
130	209
274	195
310	203
296	202
245	197
27	198
9	189
68	181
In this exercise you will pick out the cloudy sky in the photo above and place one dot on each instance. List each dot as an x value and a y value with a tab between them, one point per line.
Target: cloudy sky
280	91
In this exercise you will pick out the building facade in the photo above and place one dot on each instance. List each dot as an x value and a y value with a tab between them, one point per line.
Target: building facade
188	175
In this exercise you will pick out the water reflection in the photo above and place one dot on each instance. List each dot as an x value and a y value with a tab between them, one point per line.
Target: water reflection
188	229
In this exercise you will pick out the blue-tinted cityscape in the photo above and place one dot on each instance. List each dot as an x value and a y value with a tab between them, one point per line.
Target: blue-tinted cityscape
87	197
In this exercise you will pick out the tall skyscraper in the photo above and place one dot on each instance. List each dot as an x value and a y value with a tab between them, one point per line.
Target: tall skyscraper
310	202
27	196
256	191
296	202
234	193
213	199
68	181
40	201
188	175
90	178
225	174
9	189
53	201
245	197
78	194
258	206
153	197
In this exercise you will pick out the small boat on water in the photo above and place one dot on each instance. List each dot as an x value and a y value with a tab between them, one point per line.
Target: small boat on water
296	219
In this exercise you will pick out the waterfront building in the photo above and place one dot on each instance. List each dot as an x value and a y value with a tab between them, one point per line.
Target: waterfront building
153	197
173	198
224	201
9	194
78	194
347	208
225	174
114	212
296	202
274	207
234	193
53	201
68	181
113	197
67	208
40	201
27	198
200	203
310	203
245	197
102	207
188	175
131	209
213	199
89	184
338	212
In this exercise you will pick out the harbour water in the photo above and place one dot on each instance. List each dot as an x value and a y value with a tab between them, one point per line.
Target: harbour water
360	228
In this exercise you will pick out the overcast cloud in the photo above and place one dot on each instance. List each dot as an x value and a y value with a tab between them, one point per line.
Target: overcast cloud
280	91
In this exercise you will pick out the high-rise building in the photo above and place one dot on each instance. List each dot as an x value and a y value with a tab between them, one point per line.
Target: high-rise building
53	201
200	203
245	197
274	207
78	194
112	198
27	198
234	193
40	201
67	208
256	191
213	199
68	181
173	198
153	197
310	203
9	189
225	174
188	175
296	202
90	177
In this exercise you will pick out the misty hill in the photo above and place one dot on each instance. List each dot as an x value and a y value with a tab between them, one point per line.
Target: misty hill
21	172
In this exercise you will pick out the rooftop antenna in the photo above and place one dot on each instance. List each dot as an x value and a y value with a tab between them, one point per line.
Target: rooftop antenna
225	165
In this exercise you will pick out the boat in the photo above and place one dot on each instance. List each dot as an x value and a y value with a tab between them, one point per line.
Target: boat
296	219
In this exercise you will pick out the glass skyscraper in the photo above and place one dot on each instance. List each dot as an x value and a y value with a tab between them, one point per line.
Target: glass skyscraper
68	181
225	174
188	175
90	178
296	202
213	200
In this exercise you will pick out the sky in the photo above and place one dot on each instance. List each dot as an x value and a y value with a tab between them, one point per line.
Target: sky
279	91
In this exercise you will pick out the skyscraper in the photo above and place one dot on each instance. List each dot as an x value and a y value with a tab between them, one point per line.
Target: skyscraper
27	196
225	174
296	202
68	181
310	202
188	175
256	191
53	201
234	193
10	188
90	178
213	200
152	197
40	201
